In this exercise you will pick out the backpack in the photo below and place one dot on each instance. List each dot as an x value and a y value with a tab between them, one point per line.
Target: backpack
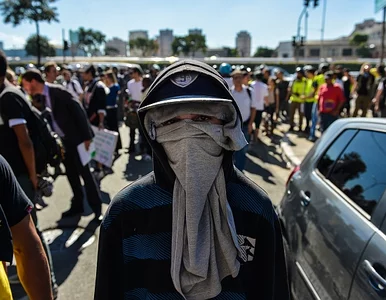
47	144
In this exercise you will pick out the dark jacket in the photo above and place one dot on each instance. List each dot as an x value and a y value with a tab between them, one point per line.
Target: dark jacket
97	101
134	258
70	115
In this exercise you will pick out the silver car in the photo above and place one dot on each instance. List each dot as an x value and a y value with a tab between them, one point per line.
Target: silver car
333	215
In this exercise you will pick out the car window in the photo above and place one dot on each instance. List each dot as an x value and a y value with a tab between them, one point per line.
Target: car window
328	160
360	171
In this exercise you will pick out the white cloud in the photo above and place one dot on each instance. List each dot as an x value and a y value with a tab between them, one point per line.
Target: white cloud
56	42
12	41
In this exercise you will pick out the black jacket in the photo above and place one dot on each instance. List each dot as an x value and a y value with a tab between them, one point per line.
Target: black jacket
69	115
97	101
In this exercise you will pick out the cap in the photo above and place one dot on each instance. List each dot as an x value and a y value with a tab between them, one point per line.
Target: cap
186	81
238	72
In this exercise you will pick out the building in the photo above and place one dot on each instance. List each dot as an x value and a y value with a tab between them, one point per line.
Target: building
195	31
1	45
135	34
243	44
116	47
165	41
219	52
340	48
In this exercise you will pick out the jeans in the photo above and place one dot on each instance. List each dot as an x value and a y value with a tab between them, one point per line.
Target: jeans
308	106
314	120
26	185
326	120
240	157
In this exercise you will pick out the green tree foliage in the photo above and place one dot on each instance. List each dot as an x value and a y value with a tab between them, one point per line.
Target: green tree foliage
189	45
231	52
34	11
90	41
146	46
46	48
361	41
264	52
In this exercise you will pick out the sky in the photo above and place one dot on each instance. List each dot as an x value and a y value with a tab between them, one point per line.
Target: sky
268	21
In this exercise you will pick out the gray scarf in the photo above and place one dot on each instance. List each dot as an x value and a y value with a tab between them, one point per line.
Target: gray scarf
204	240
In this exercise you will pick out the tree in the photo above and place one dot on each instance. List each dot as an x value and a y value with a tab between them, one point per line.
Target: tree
146	46
46	48
34	11
90	41
111	51
360	41
231	52
189	44
264	52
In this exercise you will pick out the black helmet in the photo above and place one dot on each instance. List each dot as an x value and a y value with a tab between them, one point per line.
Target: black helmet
300	70
324	66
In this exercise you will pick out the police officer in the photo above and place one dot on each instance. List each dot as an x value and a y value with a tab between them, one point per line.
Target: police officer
297	92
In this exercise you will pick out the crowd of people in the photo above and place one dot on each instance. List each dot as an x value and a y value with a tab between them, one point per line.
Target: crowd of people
194	123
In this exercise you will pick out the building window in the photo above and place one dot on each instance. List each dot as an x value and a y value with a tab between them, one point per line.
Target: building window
331	52
285	55
315	52
347	52
301	52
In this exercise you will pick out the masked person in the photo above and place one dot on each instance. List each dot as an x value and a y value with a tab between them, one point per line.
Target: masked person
196	227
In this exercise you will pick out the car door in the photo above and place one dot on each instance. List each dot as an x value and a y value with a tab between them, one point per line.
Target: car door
370	278
335	216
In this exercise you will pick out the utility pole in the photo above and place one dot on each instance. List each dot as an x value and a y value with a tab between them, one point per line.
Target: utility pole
64	47
323	26
383	35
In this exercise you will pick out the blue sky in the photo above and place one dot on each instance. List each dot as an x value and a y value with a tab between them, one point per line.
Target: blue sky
268	21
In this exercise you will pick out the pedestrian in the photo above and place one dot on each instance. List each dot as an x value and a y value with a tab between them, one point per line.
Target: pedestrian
271	107
94	97
143	144
16	133
247	103
134	90
51	72
297	95
380	96
69	121
363	89
310	98
72	85
331	100
225	71
260	90
18	237
112	106
164	238
281	91
348	84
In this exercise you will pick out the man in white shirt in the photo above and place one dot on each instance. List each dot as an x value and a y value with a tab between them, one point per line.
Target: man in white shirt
247	103
260	91
72	85
134	90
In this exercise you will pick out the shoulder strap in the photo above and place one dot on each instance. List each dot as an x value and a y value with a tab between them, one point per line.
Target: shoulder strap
73	86
249	93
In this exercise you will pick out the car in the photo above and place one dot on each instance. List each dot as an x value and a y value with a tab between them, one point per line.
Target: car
333	214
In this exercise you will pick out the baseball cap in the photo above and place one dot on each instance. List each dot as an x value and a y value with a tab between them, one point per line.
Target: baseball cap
185	82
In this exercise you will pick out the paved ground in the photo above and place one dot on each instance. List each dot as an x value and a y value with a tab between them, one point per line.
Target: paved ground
74	242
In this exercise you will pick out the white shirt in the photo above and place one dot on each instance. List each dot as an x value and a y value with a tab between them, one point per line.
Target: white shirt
380	86
244	102
135	89
229	81
340	83
73	87
260	90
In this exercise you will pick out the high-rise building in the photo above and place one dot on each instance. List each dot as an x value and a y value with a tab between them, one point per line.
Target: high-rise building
243	44
116	47
1	45
195	31
133	35
165	41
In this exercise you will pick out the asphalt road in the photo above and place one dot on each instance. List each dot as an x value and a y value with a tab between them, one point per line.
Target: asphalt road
74	241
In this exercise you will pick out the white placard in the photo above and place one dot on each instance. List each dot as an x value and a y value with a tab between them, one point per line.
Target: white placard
105	142
86	155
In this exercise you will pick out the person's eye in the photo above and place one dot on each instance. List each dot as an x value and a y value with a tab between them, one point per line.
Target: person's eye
202	119
170	122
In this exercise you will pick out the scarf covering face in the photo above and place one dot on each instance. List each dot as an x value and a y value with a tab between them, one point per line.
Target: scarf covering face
204	240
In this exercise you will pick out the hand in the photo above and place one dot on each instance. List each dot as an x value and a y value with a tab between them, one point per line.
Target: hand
376	107
87	144
250	128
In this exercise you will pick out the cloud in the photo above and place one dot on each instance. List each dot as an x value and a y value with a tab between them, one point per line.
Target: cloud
12	41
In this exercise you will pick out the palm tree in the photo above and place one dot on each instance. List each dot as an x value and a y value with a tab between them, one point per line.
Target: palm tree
35	11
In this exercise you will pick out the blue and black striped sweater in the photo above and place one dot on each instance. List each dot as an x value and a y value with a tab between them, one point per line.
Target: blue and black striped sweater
134	256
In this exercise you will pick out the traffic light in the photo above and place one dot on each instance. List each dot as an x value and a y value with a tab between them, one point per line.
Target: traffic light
302	41
306	3
294	41
316	3
65	45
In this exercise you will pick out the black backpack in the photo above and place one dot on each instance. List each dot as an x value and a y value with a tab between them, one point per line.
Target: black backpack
47	144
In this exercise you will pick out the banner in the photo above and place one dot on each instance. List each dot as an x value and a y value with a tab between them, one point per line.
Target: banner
105	142
379	5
